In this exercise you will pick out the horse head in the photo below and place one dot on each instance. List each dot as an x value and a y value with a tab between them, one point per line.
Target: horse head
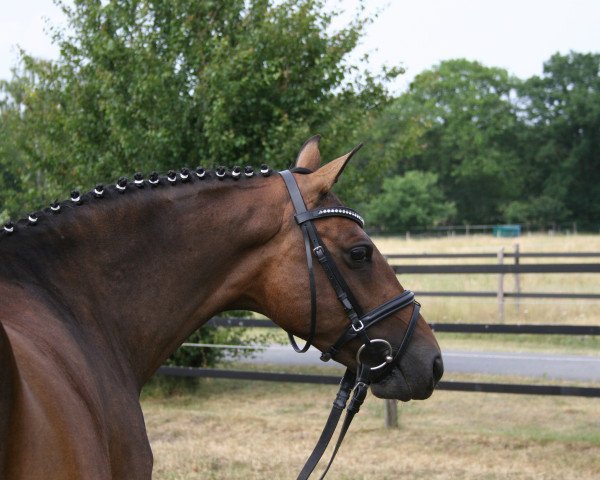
327	283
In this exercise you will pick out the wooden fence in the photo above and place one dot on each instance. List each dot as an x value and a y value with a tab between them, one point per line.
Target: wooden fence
501	268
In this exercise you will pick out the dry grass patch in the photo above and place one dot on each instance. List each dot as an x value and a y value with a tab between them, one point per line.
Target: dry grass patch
251	430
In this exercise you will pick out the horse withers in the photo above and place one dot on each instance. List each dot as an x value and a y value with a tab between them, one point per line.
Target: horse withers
97	291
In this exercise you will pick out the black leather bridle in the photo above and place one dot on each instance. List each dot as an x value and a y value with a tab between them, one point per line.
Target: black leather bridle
375	357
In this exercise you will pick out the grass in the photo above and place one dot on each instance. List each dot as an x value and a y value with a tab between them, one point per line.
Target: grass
220	429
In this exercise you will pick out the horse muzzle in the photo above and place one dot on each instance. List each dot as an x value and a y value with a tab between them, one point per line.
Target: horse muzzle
413	377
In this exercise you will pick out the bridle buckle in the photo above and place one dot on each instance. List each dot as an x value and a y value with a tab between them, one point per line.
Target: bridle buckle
319	251
358	326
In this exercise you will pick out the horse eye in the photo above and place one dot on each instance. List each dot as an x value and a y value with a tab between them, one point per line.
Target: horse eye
359	254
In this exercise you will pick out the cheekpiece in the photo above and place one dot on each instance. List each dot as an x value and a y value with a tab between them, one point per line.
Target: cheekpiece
171	177
121	184
76	197
98	191
9	227
154	179
200	172
248	171
138	180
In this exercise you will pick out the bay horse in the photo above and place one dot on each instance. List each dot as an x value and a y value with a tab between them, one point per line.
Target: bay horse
98	290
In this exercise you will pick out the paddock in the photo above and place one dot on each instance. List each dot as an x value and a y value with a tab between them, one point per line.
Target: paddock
217	429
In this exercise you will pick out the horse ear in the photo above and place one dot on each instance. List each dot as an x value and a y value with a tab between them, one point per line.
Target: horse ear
309	156
328	174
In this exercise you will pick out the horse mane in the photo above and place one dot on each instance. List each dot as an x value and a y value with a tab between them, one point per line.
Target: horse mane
123	191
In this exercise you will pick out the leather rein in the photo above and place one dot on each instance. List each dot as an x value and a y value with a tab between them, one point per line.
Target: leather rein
376	357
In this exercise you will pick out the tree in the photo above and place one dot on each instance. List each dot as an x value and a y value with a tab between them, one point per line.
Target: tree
562	158
411	201
158	84
458	120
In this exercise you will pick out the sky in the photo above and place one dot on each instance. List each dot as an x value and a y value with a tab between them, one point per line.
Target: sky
518	35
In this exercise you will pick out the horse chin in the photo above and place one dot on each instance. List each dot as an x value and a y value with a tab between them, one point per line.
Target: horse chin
395	386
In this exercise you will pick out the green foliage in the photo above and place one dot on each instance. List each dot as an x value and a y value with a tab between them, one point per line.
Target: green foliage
540	210
413	200
462	125
561	161
503	149
189	356
204	356
158	84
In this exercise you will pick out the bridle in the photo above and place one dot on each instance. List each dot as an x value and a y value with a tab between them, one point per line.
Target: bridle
375	357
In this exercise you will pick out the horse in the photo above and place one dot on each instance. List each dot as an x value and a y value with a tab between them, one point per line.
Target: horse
98	290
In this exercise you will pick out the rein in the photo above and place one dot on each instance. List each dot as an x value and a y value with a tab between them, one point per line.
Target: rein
376	357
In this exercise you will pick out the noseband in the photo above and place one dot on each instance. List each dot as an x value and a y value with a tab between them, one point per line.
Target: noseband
375	357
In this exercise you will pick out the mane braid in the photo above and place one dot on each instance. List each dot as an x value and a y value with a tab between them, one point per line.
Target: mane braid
123	188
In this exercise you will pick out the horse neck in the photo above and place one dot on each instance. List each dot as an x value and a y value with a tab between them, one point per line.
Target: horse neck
138	274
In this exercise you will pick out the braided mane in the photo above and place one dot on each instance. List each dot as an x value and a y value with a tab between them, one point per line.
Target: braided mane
124	188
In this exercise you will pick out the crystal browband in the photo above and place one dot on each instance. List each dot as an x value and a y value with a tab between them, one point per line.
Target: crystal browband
330	212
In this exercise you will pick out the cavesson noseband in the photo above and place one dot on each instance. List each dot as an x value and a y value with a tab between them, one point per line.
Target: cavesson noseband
375	357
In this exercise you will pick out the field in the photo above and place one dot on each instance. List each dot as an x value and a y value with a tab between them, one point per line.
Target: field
254	430
222	429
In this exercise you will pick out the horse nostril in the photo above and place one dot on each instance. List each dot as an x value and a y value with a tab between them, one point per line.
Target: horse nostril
438	368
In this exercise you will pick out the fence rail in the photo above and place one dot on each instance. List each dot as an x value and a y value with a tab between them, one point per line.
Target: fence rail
494	255
333	380
441	327
500	268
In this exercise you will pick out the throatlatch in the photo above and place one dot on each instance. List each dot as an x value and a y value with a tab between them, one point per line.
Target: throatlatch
375	357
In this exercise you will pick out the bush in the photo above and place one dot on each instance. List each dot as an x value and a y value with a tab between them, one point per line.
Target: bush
209	335
413	200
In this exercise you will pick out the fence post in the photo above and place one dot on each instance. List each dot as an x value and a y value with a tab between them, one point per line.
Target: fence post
391	413
517	279
500	294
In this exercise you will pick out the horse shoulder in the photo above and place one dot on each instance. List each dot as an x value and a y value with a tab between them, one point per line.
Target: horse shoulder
60	409
7	396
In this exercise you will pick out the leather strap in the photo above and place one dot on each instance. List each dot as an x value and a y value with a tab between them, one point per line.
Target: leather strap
339	404
299	205
360	393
